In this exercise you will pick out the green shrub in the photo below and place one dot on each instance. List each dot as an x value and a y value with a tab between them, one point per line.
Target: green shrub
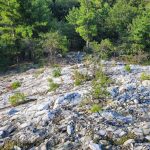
80	78
52	86
54	42
127	68
145	76
56	72
88	59
96	108
140	57
104	49
15	85
78	82
99	85
17	99
139	31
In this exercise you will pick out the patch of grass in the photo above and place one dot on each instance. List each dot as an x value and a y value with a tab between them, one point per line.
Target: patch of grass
78	82
9	145
15	85
50	80
145	76
17	98
80	78
56	72
99	85
56	65
125	138
127	68
96	108
38	72
52	86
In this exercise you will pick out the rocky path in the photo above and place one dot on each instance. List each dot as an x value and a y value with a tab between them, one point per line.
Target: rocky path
62	120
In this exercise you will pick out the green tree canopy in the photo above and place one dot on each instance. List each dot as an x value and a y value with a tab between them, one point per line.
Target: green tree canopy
140	30
84	19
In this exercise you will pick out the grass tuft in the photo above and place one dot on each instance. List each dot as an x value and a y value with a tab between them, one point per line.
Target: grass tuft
52	86
17	98
125	138
80	78
99	85
127	68
15	85
96	108
145	76
56	72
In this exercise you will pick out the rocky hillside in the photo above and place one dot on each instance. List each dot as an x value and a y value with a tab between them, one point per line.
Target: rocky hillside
43	109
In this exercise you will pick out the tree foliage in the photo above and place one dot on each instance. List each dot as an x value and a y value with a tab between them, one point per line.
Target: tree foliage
84	19
71	25
140	30
54	42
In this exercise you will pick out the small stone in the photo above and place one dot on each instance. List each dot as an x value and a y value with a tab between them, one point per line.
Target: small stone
43	106
128	142
70	128
24	125
136	101
102	132
17	148
69	98
104	142
146	83
12	111
148	137
122	133
146	131
2	134
94	146
42	147
138	132
66	146
1	143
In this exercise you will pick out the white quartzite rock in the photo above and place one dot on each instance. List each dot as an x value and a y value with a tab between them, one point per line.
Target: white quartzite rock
71	98
94	146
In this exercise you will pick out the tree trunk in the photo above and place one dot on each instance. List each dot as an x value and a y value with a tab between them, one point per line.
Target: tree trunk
87	44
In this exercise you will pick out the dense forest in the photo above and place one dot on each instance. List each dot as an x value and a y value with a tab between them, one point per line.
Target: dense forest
34	29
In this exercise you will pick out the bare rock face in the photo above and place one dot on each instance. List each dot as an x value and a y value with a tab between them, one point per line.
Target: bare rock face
62	119
68	99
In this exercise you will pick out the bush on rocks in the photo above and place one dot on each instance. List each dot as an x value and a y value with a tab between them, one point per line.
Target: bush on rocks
145	76
80	78
52	86
127	68
56	72
15	85
9	145
17	98
96	108
125	138
100	84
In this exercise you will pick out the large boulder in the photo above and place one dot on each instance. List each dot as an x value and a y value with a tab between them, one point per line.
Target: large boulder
68	99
